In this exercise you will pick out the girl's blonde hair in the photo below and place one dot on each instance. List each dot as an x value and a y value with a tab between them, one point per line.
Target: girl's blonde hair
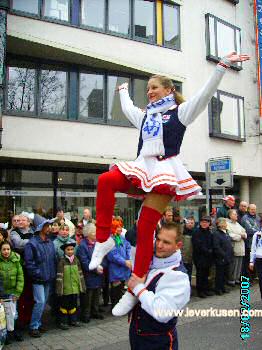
168	83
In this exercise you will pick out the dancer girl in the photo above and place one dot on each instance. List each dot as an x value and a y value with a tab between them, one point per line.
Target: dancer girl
157	173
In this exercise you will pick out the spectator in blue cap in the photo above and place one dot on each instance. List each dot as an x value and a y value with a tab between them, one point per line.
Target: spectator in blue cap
40	262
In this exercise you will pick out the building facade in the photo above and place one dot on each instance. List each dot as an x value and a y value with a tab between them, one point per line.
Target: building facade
62	121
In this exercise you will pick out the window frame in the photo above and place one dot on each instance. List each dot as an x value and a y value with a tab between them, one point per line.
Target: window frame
217	58
72	89
174	4
213	132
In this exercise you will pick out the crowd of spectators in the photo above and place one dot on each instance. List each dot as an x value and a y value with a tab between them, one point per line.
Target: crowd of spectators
47	260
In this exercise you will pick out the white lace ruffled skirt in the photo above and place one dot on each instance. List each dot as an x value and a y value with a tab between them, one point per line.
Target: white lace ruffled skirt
168	176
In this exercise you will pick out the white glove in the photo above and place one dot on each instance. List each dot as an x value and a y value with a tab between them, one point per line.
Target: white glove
123	86
100	269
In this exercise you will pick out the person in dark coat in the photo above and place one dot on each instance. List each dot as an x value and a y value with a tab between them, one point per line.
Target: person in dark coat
202	242
223	253
40	263
93	278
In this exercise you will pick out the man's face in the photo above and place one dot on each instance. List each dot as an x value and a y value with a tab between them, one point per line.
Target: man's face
24	222
190	224
87	214
166	244
252	209
204	224
46	229
243	206
169	216
15	221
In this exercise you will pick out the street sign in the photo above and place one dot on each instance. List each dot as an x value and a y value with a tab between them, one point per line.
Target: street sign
219	172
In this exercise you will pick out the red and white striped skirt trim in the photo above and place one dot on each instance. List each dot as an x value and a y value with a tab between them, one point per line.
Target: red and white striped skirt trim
167	176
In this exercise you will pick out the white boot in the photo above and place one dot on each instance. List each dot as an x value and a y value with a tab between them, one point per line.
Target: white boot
100	251
125	304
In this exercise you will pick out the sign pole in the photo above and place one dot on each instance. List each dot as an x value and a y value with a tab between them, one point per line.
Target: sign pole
207	189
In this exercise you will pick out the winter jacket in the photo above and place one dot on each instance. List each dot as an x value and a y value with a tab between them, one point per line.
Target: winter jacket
19	239
131	235
58	242
223	211
223	250
251	224
40	260
235	232
117	269
12	275
202	242
92	278
187	249
69	277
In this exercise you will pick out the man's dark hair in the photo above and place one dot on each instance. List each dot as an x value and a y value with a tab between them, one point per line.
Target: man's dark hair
173	226
59	209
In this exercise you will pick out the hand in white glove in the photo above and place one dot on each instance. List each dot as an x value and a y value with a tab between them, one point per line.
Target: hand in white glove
100	269
123	86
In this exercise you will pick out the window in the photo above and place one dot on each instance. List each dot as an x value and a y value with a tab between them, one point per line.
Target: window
119	16
23	93
144	23
30	6
171	33
93	13
133	19
226	113
91	96
51	90
222	38
58	9
114	107
21	89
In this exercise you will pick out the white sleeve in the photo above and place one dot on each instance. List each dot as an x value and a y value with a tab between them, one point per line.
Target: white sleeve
134	114
171	295
189	110
253	248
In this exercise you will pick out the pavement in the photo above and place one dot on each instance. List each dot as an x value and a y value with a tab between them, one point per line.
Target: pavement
195	333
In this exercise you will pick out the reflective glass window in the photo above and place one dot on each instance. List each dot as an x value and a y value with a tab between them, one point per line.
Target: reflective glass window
119	16
21	89
171	29
140	96
53	91
144	20
91	96
93	13
58	9
114	107
30	6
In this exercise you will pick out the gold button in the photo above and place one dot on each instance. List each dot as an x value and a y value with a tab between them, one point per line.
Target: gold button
161	157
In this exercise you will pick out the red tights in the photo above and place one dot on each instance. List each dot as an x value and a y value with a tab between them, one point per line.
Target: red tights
108	184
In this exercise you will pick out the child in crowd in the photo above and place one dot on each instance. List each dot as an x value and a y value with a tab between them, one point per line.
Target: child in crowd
119	265
62	238
93	278
12	278
69	284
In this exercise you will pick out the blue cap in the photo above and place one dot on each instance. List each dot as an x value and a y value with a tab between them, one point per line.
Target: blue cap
40	226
